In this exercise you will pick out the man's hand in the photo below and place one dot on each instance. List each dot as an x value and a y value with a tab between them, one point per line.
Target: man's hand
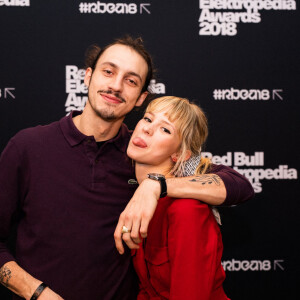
137	215
48	294
22	283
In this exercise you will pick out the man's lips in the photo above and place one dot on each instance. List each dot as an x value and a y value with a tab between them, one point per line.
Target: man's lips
139	142
111	98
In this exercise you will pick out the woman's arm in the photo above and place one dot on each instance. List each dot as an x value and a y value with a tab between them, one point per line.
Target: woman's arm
223	186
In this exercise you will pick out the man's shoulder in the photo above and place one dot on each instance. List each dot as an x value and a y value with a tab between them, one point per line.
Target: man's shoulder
31	134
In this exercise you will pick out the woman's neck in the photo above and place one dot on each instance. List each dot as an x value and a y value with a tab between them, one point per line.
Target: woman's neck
141	171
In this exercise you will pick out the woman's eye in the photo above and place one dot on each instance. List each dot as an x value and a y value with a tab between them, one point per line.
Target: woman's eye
166	130
147	119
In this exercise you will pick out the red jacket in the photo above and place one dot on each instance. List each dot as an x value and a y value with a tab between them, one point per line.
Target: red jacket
181	257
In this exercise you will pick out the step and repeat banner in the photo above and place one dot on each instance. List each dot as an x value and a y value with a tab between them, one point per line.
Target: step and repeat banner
237	59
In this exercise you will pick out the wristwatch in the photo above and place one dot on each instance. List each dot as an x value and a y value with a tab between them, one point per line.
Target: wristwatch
162	180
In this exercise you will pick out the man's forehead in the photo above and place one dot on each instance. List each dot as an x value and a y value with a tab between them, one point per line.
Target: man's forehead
124	57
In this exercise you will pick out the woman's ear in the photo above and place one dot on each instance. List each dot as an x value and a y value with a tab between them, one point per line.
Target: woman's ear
188	155
176	155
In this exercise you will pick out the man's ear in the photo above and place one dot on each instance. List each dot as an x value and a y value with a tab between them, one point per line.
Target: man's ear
87	76
141	98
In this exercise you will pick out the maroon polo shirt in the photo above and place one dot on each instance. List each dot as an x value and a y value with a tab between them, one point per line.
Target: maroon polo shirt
66	196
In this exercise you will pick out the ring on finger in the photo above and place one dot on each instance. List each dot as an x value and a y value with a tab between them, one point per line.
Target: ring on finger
125	229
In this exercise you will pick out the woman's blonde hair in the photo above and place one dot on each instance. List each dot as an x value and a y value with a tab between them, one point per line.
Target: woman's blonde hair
191	124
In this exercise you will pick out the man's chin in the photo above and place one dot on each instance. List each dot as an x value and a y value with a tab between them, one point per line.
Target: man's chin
109	117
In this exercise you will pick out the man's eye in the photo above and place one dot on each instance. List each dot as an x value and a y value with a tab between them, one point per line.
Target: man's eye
147	119
132	82
108	72
166	130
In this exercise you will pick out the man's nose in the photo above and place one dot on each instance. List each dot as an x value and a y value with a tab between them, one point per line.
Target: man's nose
116	84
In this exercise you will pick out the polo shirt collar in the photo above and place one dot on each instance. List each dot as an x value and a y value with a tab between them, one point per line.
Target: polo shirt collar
75	137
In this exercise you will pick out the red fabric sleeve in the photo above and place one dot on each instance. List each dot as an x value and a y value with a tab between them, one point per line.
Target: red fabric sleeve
195	250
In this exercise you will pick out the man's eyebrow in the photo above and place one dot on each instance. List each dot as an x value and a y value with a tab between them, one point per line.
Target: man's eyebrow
110	63
116	67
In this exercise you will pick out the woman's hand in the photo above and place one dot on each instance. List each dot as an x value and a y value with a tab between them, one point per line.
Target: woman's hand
137	215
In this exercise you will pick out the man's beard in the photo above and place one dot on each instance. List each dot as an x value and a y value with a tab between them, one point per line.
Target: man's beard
106	114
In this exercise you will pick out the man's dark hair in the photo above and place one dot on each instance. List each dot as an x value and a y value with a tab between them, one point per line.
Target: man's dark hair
94	52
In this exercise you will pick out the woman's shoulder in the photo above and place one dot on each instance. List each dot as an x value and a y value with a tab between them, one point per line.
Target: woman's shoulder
188	207
190	214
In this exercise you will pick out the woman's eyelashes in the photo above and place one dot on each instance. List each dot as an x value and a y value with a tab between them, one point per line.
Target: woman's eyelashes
147	119
164	129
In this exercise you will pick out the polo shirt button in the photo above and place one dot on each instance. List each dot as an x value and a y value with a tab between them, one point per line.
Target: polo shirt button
97	160
89	141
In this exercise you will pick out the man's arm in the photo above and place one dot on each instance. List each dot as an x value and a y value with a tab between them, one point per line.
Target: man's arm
208	188
23	284
224	186
11	274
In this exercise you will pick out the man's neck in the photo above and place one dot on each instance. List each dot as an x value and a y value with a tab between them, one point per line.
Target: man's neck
91	125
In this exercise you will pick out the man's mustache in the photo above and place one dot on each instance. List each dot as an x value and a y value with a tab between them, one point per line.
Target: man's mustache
117	95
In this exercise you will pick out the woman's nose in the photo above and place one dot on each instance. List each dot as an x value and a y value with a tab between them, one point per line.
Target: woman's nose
148	128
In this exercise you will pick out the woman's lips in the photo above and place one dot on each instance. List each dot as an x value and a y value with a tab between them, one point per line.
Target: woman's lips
139	142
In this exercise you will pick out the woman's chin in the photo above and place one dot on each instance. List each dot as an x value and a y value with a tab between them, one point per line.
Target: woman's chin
134	155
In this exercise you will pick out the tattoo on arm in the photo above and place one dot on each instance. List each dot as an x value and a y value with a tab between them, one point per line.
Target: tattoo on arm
5	275
207	179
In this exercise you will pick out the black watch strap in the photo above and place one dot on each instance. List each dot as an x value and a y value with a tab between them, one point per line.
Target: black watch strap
162	180
163	187
38	291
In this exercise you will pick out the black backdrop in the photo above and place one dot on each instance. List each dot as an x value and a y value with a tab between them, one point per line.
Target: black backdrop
242	68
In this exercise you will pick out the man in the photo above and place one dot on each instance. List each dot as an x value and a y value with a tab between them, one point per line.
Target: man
66	184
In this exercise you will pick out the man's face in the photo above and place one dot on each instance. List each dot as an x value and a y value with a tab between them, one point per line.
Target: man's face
116	83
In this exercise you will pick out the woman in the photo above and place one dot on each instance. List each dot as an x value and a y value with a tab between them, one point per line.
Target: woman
181	257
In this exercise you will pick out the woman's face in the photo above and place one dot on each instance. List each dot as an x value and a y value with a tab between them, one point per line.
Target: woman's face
154	140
